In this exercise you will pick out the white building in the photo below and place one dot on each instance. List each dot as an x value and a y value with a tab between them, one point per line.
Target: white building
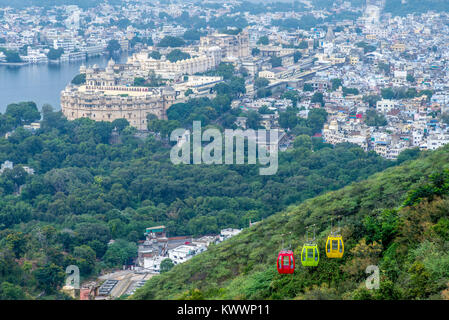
182	253
228	233
153	263
385	105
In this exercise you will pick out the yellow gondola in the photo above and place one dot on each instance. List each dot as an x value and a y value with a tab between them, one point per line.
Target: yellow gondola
335	246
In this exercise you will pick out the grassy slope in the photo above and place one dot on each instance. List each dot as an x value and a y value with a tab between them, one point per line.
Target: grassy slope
244	266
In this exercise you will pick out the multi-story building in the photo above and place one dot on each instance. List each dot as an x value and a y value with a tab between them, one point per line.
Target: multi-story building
203	61
232	46
103	98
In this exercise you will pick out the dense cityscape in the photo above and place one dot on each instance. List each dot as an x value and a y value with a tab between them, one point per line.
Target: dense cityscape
353	87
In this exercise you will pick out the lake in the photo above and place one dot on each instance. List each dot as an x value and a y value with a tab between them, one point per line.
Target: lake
41	83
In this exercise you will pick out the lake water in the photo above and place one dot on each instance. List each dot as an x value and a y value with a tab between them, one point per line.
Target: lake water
40	83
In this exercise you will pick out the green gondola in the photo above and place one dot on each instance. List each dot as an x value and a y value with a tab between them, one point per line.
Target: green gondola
310	254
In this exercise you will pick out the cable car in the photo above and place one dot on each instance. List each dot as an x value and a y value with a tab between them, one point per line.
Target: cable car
335	246
286	262
310	254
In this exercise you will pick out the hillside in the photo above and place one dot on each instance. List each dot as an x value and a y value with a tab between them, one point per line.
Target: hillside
92	184
406	239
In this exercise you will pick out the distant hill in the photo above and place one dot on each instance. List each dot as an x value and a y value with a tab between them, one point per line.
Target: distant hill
397	219
397	8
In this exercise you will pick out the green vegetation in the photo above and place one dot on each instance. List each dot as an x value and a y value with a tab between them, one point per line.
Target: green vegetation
173	42
176	55
404	93
350	91
142	40
396	219
55	54
291	95
305	22
153	80
113	47
255	52
79	79
263	40
155	55
87	191
366	47
192	35
375	119
275	62
11	56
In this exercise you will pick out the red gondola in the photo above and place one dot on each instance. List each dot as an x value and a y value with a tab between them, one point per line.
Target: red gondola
286	262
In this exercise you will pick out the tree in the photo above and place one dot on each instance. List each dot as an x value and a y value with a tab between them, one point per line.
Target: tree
79	79
384	67
119	253
225	70
155	55
408	154
263	40
9	291
350	91
288	119
316	119
176	55
261	82
17	242
85	259
255	52
170	41
192	35
11	56
307	87
275	61
55	54
120	124
253	119
293	96
265	110
375	119
23	112
387	93
410	78
296	56
303	141
113	46
166	265
336	83
188	92
303	45
263	93
318	98
49	277
371	100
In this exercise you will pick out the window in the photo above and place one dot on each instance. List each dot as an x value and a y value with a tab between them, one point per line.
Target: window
334	245
286	261
316	254
341	246
309	253
304	254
